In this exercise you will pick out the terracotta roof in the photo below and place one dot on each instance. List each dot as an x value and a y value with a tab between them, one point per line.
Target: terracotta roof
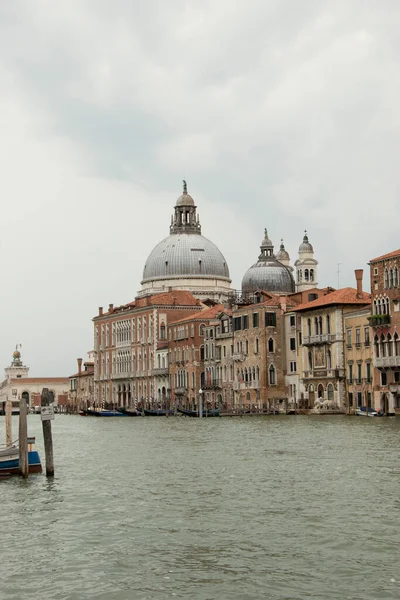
82	374
389	255
172	298
343	296
207	313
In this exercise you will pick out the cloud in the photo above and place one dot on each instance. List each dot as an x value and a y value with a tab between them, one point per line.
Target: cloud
278	114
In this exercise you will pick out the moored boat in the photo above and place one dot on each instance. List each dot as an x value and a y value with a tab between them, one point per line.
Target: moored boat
129	413
157	412
9	459
103	413
194	413
361	411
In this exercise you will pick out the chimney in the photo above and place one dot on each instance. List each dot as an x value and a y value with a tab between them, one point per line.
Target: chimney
111	308
79	365
359	278
100	311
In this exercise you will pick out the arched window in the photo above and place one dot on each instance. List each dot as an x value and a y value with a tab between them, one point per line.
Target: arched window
329	359
330	391
201	330
376	346
320	391
310	361
320	325
309	327
311	274
395	277
306	274
389	344
396	344
391	278
328	324
201	352
270	345
387	306
375	308
383	345
272	375
386	284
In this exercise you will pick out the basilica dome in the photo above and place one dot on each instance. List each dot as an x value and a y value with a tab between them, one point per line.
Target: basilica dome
268	273
186	259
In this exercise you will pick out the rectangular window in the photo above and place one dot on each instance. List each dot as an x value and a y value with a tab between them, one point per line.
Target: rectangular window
350	398
383	378
369	396
350	373
293	343
270	319
358	338
245	322
359	373
368	366
349	338
225	326
292	321
255	319
366	336
293	367
192	330
231	349
359	398
237	323
224	351
396	376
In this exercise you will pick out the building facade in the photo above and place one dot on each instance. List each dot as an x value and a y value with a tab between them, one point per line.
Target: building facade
218	362
81	388
385	325
358	358
129	342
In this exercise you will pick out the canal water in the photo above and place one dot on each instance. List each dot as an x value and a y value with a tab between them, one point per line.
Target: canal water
242	508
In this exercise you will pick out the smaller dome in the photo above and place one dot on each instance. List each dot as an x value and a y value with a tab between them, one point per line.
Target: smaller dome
306	246
16	354
282	253
266	243
185	199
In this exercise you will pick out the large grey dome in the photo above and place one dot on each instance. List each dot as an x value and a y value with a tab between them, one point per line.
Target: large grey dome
185	254
270	276
268	273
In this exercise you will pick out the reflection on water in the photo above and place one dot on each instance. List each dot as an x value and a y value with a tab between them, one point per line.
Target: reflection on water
268	507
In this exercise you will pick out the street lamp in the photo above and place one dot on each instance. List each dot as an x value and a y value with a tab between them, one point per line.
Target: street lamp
200	403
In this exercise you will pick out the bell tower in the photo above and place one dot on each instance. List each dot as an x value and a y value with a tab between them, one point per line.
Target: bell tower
306	266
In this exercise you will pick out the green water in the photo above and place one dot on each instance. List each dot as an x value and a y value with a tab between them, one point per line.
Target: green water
242	508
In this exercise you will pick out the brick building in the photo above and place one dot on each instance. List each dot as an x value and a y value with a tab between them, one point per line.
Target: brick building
81	389
186	355
128	340
218	362
385	324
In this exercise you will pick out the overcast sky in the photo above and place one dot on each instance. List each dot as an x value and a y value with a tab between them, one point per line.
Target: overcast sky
279	114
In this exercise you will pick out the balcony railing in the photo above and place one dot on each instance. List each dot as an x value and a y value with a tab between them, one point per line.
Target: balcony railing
160	371
387	361
180	391
239	356
213	384
323	338
326	373
379	320
245	385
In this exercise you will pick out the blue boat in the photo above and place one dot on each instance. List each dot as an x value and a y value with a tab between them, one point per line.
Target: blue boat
9	459
103	413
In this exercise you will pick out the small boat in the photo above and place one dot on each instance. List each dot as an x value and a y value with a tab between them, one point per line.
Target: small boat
194	413
361	411
103	413
159	412
9	459
129	413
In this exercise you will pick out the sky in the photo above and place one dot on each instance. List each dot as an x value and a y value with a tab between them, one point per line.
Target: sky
279	114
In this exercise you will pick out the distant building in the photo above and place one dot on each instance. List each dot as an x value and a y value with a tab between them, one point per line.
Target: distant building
385	324
218	362
17	384
81	389
323	367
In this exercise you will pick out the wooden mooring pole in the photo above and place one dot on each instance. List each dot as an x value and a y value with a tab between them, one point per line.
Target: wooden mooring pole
23	438
8	423
47	415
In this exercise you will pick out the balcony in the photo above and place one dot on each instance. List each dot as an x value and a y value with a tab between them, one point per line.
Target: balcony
161	371
387	361
223	336
239	356
180	391
323	338
245	385
379	320
213	384
394	388
322	374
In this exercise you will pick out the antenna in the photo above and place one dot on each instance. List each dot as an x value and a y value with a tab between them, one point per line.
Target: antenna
338	275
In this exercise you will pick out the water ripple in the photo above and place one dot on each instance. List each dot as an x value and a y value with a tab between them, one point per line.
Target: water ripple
269	507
